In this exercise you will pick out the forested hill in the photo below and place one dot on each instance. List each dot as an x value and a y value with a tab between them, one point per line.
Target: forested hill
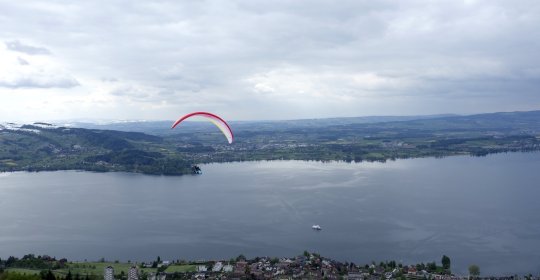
42	146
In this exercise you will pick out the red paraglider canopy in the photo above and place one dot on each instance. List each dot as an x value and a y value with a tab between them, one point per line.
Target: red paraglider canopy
219	122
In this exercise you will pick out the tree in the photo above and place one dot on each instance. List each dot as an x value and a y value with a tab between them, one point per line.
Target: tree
18	276
50	276
10	261
445	262
69	276
474	270
432	267
143	275
392	264
240	258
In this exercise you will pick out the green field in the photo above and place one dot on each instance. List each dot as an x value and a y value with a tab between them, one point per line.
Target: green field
97	268
24	271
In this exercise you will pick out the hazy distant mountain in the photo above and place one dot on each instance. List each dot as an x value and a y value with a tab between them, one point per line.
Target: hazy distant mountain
164	127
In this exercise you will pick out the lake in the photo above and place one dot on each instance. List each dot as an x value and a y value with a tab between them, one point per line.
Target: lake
476	210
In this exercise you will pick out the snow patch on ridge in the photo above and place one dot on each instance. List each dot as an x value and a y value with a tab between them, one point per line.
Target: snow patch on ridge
8	126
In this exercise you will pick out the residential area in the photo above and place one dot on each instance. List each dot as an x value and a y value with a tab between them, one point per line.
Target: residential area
305	266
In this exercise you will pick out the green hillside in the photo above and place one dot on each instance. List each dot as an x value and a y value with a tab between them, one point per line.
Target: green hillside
41	147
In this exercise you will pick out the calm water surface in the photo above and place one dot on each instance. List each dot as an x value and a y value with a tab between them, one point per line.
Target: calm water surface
476	210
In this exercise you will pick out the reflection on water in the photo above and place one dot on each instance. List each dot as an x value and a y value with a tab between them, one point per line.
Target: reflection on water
475	210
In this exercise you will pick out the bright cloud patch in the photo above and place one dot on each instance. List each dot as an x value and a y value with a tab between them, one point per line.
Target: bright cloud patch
299	83
32	72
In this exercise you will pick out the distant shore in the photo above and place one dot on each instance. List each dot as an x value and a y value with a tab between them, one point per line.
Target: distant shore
38	147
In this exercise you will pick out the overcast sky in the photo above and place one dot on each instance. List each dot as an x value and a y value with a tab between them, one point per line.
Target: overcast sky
249	60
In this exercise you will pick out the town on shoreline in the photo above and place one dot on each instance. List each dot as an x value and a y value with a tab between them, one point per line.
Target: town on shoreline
305	266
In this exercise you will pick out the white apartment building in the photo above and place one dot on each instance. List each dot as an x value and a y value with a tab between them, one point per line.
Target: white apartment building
109	273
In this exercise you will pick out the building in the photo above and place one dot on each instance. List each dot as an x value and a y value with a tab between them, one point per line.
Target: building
217	267
355	276
240	267
228	268
157	276
109	273
133	273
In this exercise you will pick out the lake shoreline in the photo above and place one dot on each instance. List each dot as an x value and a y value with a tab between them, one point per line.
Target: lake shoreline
389	159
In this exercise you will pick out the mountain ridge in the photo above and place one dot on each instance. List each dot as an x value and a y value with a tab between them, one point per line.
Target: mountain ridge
42	146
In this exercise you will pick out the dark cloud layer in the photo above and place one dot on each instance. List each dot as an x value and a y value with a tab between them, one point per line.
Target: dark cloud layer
289	59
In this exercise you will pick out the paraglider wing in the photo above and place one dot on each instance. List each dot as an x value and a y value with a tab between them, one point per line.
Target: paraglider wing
217	121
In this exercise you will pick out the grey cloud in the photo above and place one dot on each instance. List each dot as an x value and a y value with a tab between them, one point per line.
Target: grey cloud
39	82
27	49
142	93
22	61
205	51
